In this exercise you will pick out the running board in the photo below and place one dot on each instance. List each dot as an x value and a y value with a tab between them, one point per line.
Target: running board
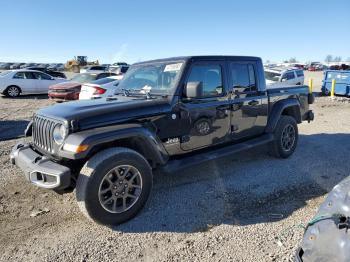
174	165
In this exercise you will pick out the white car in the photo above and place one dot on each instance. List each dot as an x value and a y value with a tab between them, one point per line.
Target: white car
16	82
279	77
94	69
103	87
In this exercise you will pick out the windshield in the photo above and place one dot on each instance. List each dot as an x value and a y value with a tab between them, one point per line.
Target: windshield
103	81
84	78
4	73
272	76
157	78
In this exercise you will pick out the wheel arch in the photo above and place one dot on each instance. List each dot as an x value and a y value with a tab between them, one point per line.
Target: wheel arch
20	89
290	107
138	139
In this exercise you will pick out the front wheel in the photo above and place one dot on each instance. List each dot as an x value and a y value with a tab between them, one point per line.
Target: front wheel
114	185
286	137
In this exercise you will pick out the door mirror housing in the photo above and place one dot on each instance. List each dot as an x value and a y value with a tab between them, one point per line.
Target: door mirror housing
194	90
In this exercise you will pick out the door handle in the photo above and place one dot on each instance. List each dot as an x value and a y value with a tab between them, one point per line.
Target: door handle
253	103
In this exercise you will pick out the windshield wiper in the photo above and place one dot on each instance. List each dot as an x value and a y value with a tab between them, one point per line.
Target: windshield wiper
126	92
137	93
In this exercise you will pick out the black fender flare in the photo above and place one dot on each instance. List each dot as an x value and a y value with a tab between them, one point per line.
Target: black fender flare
151	145
277	109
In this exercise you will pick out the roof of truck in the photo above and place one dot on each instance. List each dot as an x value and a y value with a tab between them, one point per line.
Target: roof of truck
198	58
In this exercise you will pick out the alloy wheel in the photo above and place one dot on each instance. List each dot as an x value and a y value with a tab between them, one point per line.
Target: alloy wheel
120	189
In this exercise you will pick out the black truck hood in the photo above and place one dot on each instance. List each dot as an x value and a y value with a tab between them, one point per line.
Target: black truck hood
101	112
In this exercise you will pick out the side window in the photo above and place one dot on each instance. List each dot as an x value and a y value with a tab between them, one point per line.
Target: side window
288	76
41	76
211	78
240	77
19	75
300	73
29	75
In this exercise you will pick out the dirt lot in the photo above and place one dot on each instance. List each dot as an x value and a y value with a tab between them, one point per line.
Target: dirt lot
243	208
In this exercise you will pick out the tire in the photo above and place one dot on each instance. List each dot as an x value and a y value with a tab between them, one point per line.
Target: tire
286	137
12	91
99	175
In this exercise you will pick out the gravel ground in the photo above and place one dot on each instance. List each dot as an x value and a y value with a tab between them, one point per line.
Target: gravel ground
243	208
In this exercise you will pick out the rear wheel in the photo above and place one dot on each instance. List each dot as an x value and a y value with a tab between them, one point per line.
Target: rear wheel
12	91
286	137
114	185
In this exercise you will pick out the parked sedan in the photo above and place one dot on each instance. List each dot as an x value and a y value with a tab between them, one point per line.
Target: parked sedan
27	65
5	66
94	69
43	65
60	67
16	82
49	72
16	65
103	87
70	90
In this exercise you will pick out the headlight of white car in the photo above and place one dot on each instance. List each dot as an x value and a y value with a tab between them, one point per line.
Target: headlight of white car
59	134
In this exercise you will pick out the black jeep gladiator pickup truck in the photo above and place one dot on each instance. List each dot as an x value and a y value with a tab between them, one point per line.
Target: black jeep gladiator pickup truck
169	114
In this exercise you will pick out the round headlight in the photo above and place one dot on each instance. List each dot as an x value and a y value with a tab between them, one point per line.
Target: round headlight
59	134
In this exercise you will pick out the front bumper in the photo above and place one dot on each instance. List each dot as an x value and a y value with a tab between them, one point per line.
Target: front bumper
40	170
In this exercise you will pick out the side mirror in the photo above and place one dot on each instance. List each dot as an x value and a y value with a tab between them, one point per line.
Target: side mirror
194	90
283	79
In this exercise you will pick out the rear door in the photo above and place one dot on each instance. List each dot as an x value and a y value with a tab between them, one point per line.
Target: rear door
249	105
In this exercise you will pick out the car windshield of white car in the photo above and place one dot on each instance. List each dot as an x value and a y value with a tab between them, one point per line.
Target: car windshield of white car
103	81
157	78
272	76
84	78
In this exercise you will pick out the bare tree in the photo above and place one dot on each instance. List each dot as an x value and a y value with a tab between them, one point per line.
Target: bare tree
348	59
267	61
293	60
328	59
337	59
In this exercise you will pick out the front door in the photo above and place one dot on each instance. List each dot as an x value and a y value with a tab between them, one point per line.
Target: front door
249	105
207	119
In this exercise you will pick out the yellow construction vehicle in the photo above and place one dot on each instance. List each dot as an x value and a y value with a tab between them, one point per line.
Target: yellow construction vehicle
75	64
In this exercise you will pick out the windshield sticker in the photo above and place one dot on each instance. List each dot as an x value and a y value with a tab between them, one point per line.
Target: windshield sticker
173	67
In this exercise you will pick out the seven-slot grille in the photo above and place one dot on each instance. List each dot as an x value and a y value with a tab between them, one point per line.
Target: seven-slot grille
43	132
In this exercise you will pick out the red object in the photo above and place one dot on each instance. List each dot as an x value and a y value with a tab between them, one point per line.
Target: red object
65	91
99	90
